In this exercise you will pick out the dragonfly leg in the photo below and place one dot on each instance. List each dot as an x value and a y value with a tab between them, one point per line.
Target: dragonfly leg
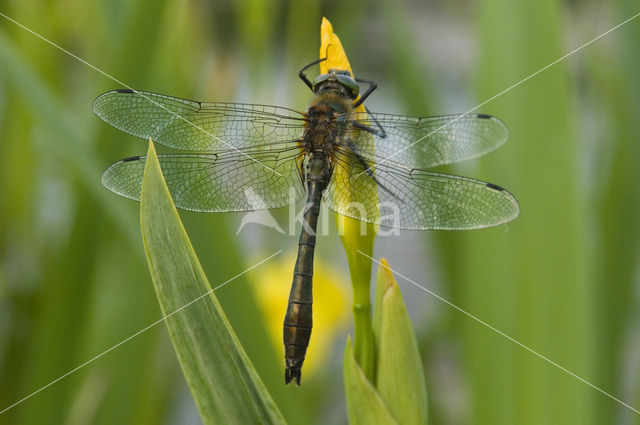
381	133
377	131
368	169
372	86
303	77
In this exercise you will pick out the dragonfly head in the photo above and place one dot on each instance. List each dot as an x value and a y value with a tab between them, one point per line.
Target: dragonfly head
336	81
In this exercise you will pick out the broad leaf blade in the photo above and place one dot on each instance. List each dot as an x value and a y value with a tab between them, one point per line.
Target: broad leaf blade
364	404
400	376
223	382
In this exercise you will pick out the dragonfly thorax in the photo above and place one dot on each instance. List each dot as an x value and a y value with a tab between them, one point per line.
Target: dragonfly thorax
329	106
325	120
325	124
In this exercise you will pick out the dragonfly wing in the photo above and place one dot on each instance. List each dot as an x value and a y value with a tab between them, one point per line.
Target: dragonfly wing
430	141
197	126
212	183
393	196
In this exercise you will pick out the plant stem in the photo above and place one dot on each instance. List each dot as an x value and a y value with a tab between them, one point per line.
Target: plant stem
360	270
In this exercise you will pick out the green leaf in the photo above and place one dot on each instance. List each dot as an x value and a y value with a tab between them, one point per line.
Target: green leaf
223	382
364	404
399	372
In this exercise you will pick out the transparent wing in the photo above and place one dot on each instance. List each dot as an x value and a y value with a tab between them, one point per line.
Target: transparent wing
394	196
213	183
197	126
429	141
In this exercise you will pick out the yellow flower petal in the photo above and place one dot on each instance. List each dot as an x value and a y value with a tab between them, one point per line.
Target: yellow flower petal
331	48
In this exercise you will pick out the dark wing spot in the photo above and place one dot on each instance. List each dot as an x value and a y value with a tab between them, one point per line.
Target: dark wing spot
131	158
485	116
124	91
495	187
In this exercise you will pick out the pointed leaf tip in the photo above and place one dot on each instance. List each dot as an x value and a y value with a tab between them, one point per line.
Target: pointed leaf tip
223	382
385	277
400	375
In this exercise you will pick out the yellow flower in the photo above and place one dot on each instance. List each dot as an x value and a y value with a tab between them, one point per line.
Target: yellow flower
330	305
331	48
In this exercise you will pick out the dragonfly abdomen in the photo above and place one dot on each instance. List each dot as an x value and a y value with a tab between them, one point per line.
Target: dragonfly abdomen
298	320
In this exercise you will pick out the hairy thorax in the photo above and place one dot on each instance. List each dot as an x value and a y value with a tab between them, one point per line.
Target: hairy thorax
326	121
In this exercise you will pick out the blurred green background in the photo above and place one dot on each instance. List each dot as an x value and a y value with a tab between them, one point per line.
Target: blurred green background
561	279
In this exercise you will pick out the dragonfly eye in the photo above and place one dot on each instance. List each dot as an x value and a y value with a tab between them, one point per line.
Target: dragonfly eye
342	77
350	84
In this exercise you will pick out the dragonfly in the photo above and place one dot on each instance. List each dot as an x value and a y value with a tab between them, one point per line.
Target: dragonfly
369	166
